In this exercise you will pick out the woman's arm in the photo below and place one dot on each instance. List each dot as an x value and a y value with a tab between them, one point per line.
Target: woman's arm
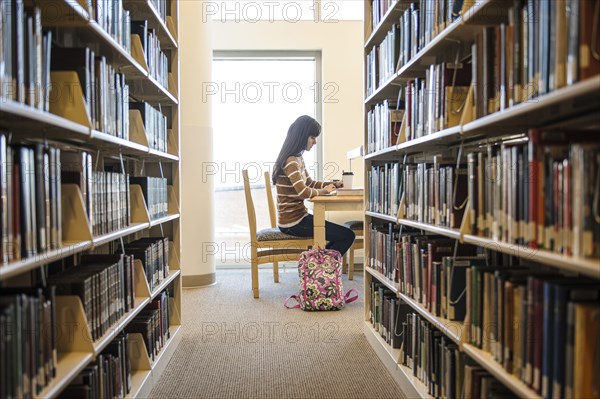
319	184
304	189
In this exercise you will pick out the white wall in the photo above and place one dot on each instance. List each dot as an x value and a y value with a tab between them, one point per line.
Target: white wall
341	46
197	225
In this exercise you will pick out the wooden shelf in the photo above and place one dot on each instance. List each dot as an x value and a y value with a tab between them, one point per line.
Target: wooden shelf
445	231
460	30
452	329
409	384
588	267
144	9
391	353
115	235
383	279
140	379
30	123
574	105
163	156
68	367
431	142
165	283
165	354
385	154
69	127
545	110
14	268
486	360
388	90
141	85
555	106
115	329
19	118
163	219
381	216
109	142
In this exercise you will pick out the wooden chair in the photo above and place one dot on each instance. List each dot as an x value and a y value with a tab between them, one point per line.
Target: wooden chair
357	226
272	217
269	245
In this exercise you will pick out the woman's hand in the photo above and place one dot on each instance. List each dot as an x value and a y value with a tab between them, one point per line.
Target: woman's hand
327	189
338	183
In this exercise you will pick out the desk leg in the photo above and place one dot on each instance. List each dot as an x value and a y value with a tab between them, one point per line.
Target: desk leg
319	225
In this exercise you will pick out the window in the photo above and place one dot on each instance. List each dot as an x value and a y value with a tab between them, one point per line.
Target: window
256	96
292	11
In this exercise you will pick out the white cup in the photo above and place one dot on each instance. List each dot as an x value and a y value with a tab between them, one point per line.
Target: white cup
347	178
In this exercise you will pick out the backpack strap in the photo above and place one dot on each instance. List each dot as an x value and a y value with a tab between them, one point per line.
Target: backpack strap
296	306
349	299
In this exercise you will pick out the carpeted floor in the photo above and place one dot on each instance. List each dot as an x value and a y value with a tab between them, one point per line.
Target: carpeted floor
234	346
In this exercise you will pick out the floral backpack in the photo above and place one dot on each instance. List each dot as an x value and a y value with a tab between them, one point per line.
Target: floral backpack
320	272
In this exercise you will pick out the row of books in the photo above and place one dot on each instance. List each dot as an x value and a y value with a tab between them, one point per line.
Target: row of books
155	193
378	9
155	124
438	101
153	324
385	189
105	193
24	55
387	313
421	22
109	376
432	358
106	95
113	18
161	8
435	195
525	318
156	60
110	202
105	285
479	383
153	252
534	193
30	192
383	126
28	349
543	47
540	326
381	61
528	191
427	268
435	198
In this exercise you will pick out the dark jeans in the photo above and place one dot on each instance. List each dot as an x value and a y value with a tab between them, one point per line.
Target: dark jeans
338	237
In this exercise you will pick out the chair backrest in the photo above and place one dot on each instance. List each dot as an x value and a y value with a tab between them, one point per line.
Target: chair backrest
249	205
270	201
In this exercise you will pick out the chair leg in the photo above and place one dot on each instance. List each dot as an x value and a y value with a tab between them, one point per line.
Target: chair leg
351	265
345	263
255	276
276	271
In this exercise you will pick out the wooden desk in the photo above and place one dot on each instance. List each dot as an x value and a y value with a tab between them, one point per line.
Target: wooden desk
320	204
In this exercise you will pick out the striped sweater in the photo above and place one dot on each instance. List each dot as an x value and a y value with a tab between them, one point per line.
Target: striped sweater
293	187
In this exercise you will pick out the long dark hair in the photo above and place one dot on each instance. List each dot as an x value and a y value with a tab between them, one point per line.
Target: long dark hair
295	142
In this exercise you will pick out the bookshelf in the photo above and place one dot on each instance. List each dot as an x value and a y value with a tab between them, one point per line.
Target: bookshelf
86	114
531	122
